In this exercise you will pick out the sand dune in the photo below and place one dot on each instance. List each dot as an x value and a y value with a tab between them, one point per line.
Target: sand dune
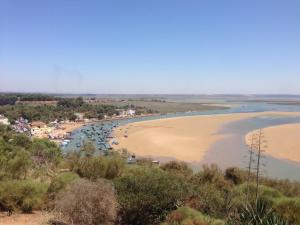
282	141
184	138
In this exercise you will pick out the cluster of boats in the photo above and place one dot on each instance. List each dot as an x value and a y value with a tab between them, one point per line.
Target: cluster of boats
101	135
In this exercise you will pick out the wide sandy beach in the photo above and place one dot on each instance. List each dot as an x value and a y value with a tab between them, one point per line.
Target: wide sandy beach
185	138
282	141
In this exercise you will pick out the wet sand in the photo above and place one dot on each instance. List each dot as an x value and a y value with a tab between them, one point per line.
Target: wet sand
66	128
282	142
182	138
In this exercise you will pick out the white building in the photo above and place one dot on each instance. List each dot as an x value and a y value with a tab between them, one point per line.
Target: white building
4	120
130	112
40	129
125	113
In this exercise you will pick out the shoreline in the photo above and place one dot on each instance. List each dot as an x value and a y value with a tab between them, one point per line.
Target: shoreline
179	137
283	141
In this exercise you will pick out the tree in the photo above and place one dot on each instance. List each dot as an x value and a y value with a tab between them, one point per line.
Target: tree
24	195
45	153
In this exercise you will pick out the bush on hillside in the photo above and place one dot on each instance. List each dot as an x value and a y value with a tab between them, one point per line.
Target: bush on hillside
88	203
45	153
213	194
147	195
289	209
97	167
23	195
286	187
178	168
189	216
236	175
258	213
210	174
15	161
267	194
60	183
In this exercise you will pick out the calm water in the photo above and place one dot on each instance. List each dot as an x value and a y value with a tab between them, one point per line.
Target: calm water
228	152
232	151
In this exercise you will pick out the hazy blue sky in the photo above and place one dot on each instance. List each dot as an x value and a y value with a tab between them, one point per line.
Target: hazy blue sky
153	46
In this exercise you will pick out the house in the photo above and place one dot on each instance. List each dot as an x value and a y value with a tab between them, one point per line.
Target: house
21	125
4	120
130	112
40	129
79	117
127	113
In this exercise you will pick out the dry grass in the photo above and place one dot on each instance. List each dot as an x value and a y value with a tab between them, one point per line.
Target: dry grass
88	203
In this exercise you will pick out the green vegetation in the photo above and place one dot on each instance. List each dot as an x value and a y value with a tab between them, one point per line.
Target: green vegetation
24	195
59	183
260	214
12	99
189	216
146	195
159	106
64	109
88	189
36	107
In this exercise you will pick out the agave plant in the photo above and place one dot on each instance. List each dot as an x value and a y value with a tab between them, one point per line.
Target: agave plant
259	214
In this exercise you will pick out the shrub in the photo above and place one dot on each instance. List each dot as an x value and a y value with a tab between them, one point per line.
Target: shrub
236	175
146	195
88	149
212	200
14	161
267	194
114	167
92	168
25	195
214	194
258	214
210	174
88	203
59	183
178	168
188	216
97	167
288	188
45	152
289	209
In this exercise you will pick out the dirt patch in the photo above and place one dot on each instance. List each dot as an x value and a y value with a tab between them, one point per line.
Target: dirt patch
35	218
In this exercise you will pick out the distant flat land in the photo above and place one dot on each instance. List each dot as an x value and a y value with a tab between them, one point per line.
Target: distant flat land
168	107
278	102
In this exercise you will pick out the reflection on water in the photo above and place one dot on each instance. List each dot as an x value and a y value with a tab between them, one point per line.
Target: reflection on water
232	150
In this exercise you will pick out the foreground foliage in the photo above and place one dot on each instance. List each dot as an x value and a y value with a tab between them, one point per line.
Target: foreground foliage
146	195
23	195
259	214
189	216
89	189
88	203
